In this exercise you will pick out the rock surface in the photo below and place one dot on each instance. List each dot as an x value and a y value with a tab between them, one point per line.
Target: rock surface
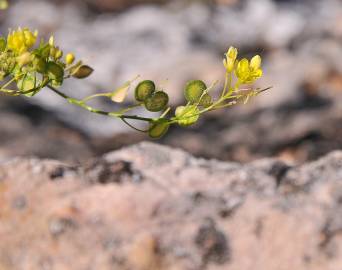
150	207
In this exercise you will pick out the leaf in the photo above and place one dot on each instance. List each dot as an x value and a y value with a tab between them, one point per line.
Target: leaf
119	95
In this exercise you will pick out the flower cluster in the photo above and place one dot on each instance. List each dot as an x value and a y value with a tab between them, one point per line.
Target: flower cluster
21	40
246	71
31	66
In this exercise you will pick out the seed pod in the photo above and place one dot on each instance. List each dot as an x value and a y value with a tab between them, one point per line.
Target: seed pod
187	115
194	90
144	90
158	128
39	64
82	72
26	83
55	71
157	101
206	100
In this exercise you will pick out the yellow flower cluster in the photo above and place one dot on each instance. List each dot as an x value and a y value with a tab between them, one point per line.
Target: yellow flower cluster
246	71
21	40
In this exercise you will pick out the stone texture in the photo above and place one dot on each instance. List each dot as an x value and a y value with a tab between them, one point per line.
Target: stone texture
149	207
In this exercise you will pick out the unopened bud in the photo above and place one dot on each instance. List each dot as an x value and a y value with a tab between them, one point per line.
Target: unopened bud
69	58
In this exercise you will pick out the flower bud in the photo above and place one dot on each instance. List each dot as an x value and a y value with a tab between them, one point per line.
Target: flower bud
157	101
158	128
53	51
144	90
187	115
82	72
2	44
52	41
69	58
3	4
55	71
194	90
58	54
24	59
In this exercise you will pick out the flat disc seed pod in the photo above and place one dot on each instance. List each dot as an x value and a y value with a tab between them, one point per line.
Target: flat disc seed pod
157	101
55	71
188	115
194	90
158	129
144	90
206	100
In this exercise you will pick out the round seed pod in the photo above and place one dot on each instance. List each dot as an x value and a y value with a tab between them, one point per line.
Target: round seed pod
206	100
157	101
158	129
188	115
55	71
39	64
144	90
194	90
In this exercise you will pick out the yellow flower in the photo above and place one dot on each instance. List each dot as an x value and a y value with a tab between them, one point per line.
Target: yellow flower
21	40
249	71
229	61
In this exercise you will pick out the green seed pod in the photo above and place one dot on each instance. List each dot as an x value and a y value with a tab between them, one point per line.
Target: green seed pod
206	100
26	83
144	90
158	129
82	72
194	90
187	115
55	71
39	64
157	101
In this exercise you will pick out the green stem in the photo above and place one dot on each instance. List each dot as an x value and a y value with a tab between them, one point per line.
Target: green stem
93	110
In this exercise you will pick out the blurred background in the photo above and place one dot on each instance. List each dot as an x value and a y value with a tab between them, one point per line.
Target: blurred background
171	42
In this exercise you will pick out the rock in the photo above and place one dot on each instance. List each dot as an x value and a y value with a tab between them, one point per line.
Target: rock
184	214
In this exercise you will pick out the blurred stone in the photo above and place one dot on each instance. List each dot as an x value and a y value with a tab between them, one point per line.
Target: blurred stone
188	213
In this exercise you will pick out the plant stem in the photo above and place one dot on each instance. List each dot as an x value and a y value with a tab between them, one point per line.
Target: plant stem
93	110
